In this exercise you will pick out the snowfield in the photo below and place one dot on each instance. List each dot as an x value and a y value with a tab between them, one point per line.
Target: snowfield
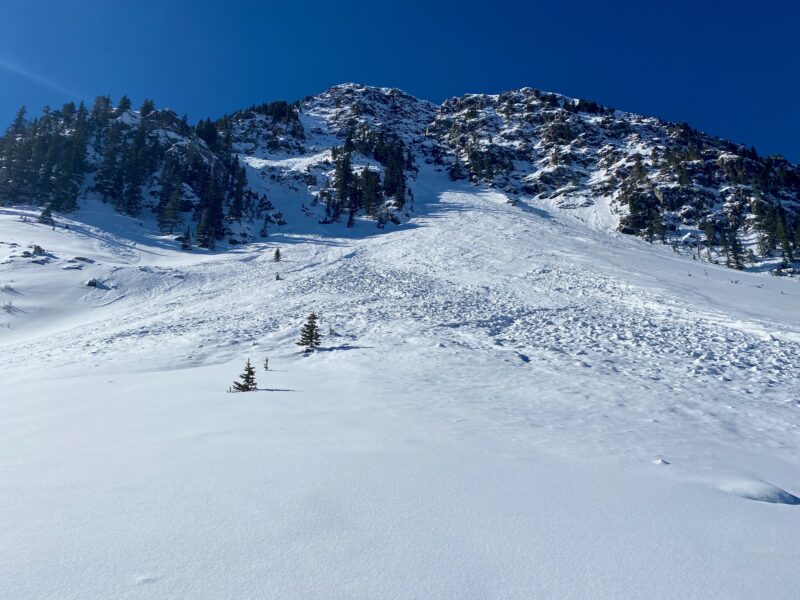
509	403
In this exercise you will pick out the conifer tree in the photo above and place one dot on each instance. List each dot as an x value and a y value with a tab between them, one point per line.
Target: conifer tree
370	182
309	335
276	256
768	236
46	217
247	380
205	230
709	232
236	210
124	104
148	106
135	165
731	247
170	214
782	238
186	239
109	181
342	182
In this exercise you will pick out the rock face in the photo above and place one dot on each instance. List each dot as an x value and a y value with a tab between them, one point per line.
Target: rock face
651	177
655	177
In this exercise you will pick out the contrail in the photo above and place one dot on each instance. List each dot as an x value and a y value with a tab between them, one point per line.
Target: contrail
36	78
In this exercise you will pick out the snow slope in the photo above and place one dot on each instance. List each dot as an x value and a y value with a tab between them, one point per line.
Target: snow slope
512	404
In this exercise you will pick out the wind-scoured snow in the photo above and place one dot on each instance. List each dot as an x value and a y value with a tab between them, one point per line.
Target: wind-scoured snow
509	403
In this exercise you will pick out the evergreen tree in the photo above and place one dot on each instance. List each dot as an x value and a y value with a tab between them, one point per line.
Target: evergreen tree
109	182
170	214
46	216
186	239
247	380
236	210
783	240
276	256
370	183
135	167
205	230
709	233
309	335
148	106
124	104
207	131
342	183
725	244
768	231
19	124
99	118
212	226
731	247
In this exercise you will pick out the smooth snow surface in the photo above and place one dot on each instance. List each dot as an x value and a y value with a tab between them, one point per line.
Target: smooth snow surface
512	405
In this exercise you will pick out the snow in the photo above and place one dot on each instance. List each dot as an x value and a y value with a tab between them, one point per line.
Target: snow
513	404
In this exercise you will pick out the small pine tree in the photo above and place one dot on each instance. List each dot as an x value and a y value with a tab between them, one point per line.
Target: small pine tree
248	379
709	232
783	242
186	240
309	335
266	363
276	256
170	214
47	215
205	230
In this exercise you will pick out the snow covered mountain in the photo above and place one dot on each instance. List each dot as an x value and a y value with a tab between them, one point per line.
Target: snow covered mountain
512	398
617	171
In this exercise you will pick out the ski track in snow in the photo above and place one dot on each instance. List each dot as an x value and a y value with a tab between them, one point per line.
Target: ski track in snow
476	275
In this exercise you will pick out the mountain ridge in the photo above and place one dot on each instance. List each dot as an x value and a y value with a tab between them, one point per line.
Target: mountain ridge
659	180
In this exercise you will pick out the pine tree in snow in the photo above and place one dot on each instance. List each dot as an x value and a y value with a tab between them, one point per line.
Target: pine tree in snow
47	215
276	256
247	381
186	240
310	336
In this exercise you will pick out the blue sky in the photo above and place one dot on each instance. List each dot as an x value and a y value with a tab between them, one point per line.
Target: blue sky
731	69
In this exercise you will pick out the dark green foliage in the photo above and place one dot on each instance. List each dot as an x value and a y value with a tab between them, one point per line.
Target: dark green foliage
46	216
731	247
44	160
710	237
370	182
205	230
784	240
343	183
207	131
124	104
109	180
276	256
236	210
135	170
170	214
148	106
279	110
309	335
394	181
186	239
247	380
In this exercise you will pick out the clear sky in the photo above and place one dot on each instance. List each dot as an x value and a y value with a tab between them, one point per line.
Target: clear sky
730	68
